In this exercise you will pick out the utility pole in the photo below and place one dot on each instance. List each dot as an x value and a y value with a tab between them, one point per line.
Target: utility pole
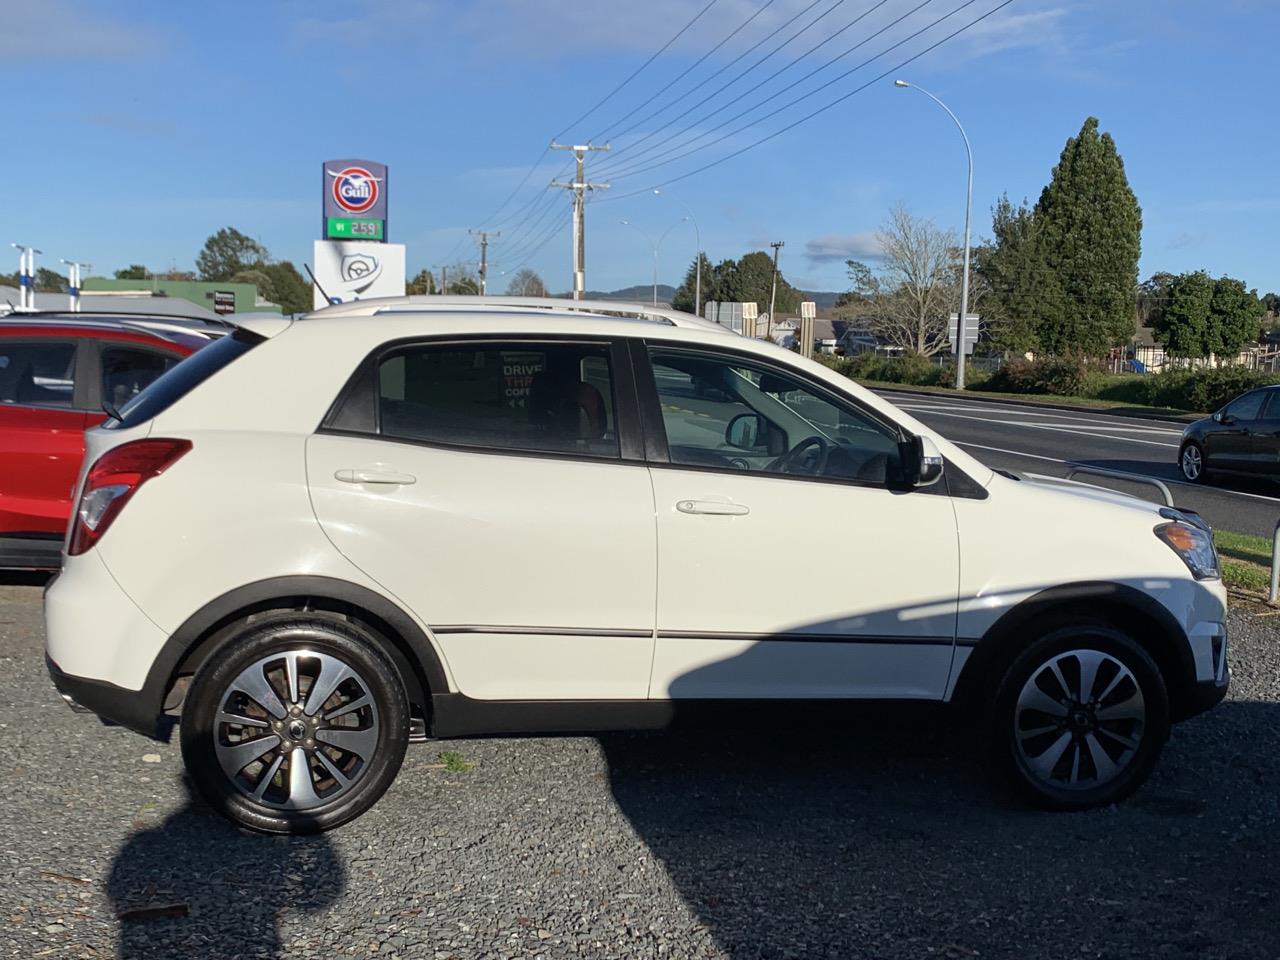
444	281
773	292
579	186
484	254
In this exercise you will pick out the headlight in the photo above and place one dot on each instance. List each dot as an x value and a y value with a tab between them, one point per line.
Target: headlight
1194	545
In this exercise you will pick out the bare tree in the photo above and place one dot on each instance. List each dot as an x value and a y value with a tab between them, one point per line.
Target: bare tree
909	302
526	283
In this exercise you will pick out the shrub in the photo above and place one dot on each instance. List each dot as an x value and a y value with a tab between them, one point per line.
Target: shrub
1063	376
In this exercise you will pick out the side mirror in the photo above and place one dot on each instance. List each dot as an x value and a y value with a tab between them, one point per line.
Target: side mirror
746	431
1224	418
922	462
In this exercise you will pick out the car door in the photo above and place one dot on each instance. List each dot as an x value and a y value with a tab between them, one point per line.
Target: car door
498	489
791	563
1229	445
1265	436
42	423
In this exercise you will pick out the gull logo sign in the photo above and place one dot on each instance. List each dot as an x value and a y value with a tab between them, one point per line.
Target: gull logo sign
360	270
355	189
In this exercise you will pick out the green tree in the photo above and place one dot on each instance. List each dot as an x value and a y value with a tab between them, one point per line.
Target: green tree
1183	325
289	288
1011	269
751	280
50	281
135	271
422	284
1089	236
1237	317
1153	294
526	283
227	253
683	298
1271	303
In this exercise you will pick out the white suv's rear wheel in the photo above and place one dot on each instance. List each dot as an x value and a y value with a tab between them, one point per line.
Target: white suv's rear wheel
1080	717
295	723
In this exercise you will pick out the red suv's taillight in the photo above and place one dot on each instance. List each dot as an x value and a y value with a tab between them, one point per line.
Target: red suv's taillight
112	480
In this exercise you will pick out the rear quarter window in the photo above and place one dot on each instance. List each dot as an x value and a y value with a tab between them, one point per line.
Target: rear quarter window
176	383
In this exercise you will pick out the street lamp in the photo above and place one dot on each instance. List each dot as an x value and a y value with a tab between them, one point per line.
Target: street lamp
968	207
697	235
656	247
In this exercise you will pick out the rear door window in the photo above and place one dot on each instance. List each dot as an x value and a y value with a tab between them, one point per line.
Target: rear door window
177	382
38	373
538	397
127	371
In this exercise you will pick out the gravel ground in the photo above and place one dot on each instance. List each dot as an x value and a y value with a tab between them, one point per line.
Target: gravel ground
876	840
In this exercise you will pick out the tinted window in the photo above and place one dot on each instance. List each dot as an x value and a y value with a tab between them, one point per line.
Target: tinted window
1248	406
723	413
185	377
127	371
540	397
37	372
1271	412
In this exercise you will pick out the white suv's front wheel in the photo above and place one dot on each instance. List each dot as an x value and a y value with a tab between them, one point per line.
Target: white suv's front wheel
1080	717
296	723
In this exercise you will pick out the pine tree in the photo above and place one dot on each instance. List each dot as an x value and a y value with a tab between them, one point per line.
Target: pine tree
1089	235
684	295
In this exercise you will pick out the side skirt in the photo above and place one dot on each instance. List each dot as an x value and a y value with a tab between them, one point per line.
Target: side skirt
457	715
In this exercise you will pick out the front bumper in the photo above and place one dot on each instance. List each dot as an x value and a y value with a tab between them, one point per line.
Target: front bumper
117	705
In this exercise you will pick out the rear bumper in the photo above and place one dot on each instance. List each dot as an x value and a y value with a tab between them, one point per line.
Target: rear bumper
128	708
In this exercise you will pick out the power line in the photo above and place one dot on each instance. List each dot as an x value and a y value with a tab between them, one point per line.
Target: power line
638	70
834	103
689	69
632	163
725	86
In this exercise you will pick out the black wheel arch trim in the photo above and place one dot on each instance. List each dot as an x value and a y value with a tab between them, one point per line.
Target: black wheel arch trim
1171	649
417	660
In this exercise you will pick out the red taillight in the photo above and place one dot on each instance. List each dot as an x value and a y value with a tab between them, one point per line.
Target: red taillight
112	480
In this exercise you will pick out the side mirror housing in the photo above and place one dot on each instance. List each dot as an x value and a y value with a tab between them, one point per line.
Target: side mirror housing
746	431
922	462
1224	418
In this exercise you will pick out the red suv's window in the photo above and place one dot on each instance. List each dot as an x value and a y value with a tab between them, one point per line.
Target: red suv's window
37	372
127	371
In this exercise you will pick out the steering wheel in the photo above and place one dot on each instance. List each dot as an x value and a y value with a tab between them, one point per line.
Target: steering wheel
808	457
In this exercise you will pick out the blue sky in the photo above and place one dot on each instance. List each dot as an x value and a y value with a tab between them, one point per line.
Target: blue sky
138	128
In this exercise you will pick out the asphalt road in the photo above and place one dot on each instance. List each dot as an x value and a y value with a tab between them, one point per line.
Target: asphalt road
879	839
1048	441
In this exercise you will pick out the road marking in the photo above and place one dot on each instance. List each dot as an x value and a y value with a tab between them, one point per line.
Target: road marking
1077	463
972	404
1109	423
1082	432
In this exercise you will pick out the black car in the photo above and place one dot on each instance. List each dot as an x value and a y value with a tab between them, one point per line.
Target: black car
1242	437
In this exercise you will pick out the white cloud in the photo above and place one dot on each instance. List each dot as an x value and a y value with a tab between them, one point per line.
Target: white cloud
67	30
833	247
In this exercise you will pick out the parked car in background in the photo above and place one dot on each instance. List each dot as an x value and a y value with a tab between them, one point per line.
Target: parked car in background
57	374
1242	438
395	519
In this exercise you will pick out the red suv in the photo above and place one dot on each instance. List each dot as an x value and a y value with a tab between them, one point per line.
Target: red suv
59	373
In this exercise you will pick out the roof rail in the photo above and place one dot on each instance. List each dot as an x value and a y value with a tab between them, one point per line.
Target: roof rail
596	308
46	313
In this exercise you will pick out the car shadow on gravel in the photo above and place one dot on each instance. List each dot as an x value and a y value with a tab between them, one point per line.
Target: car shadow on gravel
194	885
879	835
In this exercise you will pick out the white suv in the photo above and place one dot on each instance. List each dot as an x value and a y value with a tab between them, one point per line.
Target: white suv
317	540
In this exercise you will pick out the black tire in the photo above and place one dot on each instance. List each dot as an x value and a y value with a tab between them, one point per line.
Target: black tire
1197	454
382	722
1016	747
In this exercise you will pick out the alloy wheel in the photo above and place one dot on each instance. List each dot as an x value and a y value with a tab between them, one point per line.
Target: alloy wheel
1192	465
1079	720
296	730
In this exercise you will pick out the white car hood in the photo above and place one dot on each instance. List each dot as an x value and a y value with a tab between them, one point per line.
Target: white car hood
1087	491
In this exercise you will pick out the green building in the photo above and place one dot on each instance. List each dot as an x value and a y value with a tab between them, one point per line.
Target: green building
218	297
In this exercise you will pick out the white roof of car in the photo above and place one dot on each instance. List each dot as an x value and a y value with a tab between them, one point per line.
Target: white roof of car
550	306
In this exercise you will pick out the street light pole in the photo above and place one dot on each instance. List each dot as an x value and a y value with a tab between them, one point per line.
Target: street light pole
656	246
963	319
697	236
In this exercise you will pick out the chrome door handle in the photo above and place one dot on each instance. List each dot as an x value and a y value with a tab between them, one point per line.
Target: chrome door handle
374	476
713	508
